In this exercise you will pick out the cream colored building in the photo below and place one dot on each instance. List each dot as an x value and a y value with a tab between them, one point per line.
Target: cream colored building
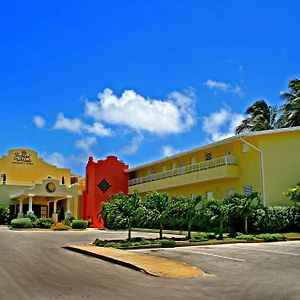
32	186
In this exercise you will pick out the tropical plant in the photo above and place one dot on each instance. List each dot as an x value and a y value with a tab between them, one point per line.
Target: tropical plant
155	208
290	110
245	205
121	209
261	116
4	213
186	208
217	210
294	194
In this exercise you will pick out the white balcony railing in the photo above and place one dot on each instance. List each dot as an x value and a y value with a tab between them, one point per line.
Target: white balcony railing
208	164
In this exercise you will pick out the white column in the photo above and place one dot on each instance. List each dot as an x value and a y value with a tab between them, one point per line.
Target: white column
55	215
30	211
68	213
20	213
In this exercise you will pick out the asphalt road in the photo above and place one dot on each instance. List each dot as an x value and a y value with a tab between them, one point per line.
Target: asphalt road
244	271
33	265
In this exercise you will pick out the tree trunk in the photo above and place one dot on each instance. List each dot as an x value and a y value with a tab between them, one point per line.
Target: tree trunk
221	229
160	230
189	230
246	224
129	231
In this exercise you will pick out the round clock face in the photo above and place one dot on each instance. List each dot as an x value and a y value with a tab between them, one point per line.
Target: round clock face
50	187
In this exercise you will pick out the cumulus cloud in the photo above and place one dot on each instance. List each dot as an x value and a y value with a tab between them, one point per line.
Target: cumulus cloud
159	117
221	124
73	125
168	151
86	144
56	159
77	126
133	146
223	86
39	121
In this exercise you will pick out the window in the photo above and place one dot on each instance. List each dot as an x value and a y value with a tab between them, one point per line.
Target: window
208	156
193	160
164	169
209	195
245	147
173	165
247	190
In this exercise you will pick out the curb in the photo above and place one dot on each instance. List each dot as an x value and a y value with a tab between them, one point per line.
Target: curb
110	259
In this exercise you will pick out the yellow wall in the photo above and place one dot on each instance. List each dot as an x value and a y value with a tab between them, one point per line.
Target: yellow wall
281	152
32	171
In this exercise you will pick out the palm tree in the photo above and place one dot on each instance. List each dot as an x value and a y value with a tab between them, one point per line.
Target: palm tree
245	205
290	110
157	207
217	210
261	116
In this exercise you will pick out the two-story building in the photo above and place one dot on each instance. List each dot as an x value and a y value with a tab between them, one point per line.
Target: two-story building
267	162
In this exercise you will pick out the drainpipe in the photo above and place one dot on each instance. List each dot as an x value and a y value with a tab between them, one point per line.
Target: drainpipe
261	168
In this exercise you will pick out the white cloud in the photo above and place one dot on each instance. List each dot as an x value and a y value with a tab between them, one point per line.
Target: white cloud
221	124
56	159
39	121
86	144
133	146
168	151
77	126
72	125
160	117
218	85
225	87
98	129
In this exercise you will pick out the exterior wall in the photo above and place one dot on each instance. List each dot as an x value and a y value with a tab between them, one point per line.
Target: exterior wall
23	166
26	173
281	168
110	170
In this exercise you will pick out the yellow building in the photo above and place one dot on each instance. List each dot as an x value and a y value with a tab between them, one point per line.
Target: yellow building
267	162
30	185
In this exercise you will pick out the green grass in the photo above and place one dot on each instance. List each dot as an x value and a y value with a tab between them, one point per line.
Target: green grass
293	234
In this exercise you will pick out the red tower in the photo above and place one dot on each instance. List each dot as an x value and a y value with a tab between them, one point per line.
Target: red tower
103	178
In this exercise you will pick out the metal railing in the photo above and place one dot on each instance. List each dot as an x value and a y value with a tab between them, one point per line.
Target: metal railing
207	164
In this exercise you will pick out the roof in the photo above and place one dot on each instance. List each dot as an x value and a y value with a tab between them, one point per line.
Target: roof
214	144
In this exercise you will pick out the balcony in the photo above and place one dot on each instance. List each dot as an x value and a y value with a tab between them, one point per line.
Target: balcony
221	167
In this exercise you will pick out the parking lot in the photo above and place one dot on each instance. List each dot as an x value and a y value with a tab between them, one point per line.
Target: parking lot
244	271
35	266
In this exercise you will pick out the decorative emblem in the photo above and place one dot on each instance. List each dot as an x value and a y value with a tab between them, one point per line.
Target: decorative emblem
22	157
50	187
103	185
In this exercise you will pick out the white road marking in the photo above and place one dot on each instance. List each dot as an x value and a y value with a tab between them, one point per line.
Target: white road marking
265	250
210	254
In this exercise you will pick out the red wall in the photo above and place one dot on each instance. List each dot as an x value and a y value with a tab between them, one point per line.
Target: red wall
110	170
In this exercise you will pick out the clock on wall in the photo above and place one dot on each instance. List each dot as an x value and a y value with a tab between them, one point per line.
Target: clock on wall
50	187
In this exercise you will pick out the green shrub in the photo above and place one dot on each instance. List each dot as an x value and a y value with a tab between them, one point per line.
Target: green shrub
201	237
79	224
4	213
269	237
167	243
112	245
44	223
247	237
21	223
68	221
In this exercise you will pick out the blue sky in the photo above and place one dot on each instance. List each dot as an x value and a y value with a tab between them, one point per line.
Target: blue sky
138	79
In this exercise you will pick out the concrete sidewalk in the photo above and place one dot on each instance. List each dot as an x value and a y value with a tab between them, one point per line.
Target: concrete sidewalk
151	265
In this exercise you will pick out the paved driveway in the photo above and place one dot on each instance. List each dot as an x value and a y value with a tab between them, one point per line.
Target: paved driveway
33	265
244	271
